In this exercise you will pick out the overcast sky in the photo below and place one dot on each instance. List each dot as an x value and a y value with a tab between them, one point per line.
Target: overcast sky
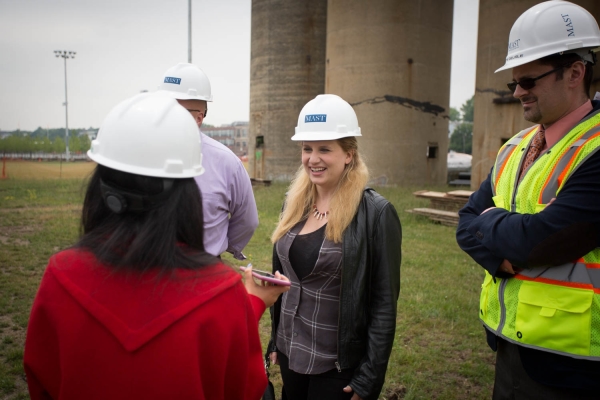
125	46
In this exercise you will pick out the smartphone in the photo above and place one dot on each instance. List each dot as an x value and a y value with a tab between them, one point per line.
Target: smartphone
267	276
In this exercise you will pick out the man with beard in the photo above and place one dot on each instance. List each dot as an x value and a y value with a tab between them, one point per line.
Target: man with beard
534	224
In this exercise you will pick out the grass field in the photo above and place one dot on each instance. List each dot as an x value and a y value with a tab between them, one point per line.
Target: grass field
439	351
16	169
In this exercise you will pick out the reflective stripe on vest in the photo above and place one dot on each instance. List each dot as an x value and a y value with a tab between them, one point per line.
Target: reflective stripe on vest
556	179
555	309
506	151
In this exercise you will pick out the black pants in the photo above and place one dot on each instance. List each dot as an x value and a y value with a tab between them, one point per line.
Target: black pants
325	386
513	383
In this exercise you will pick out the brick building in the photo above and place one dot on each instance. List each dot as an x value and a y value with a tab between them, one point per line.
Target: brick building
234	136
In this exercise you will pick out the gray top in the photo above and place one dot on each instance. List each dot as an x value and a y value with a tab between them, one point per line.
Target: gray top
308	326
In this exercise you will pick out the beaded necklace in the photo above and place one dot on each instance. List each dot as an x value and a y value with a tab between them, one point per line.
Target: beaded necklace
318	214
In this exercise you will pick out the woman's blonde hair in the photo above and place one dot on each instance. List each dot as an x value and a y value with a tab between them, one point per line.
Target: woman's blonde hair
302	195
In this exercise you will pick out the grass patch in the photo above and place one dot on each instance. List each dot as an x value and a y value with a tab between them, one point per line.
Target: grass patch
439	351
20	170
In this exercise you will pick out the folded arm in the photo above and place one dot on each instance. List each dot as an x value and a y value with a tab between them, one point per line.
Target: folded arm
564	231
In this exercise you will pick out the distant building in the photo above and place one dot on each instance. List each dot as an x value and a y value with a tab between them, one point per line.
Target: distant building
91	133
234	136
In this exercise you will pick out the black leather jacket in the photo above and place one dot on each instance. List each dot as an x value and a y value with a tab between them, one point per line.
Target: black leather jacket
369	294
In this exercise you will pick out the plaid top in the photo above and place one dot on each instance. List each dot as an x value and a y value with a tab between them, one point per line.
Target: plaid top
308	326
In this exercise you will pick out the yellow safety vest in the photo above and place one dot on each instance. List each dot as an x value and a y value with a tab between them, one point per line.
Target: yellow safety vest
555	309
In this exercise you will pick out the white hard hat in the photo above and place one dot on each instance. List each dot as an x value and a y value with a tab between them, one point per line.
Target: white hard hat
326	117
550	28
149	135
186	82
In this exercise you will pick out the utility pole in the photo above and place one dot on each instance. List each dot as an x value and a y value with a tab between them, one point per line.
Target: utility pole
65	55
190	31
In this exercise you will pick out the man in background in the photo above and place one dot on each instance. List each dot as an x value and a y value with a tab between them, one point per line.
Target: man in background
230	215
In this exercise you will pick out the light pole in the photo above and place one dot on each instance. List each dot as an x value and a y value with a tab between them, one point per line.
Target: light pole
65	55
190	31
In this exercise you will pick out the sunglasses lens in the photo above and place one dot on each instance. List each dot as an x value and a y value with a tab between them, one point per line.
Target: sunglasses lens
527	83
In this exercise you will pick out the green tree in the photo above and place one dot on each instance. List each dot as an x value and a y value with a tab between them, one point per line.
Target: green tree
454	114
74	144
58	145
21	144
79	144
37	145
84	143
467	110
11	143
4	145
461	139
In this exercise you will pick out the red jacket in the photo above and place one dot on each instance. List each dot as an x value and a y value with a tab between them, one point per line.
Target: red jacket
97	334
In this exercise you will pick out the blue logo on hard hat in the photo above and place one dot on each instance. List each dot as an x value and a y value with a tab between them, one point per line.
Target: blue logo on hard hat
170	79
315	118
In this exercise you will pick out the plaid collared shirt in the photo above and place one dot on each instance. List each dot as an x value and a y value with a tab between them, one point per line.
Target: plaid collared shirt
308	326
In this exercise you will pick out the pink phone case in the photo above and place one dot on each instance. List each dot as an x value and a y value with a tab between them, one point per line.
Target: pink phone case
268	278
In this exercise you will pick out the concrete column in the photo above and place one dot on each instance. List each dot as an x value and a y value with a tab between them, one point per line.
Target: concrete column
497	115
287	70
390	59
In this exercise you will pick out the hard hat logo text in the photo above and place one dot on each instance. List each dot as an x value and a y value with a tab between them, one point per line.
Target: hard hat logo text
514	45
569	24
315	118
170	79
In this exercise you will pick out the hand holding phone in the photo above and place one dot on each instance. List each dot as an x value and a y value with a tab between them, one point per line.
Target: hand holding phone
267	277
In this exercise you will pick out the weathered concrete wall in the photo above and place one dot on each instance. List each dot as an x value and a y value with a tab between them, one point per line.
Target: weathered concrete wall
390	59
287	70
497	115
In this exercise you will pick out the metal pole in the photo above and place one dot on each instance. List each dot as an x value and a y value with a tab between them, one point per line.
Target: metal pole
66	114
190	31
66	54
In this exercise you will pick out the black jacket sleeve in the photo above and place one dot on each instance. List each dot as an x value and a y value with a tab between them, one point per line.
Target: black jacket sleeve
384	289
275	309
564	231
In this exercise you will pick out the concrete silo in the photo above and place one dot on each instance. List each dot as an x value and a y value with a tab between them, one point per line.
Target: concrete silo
287	70
497	114
391	60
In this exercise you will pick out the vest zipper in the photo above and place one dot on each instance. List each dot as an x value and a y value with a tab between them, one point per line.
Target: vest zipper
337	365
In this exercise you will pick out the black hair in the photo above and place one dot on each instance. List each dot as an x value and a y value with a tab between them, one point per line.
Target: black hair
566	60
167	235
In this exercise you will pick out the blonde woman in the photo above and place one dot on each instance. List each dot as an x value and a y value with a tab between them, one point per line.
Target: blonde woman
339	244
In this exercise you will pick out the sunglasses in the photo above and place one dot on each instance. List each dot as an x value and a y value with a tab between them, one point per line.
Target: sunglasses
529	83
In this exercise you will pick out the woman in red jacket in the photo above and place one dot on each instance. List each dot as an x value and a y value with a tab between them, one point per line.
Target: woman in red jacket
137	308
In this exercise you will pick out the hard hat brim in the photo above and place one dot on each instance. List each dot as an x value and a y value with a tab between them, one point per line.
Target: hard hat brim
182	96
318	136
135	169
